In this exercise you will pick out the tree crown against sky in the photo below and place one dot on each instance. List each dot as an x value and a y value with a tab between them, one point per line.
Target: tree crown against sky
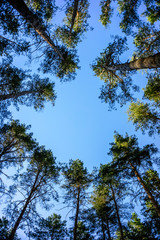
116	74
126	149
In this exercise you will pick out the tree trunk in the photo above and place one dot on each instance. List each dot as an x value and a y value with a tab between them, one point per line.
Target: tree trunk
75	9
149	194
117	212
108	230
103	229
15	95
141	63
76	217
34	21
12	234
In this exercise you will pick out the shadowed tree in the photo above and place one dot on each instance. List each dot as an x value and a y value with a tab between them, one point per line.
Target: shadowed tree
18	87
117	75
5	229
145	116
129	158
16	144
106	12
35	185
116	191
140	230
130	12
101	202
51	228
75	22
77	180
64	60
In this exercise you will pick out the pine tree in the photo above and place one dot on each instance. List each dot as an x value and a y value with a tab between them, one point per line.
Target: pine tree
77	180
35	185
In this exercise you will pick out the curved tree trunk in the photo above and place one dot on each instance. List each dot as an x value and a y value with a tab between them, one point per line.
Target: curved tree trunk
76	217
34	21
141	63
149	194
117	212
12	234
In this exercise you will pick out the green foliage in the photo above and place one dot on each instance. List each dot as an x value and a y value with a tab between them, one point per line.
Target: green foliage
36	185
152	89
152	180
153	11
146	40
18	87
144	117
16	143
118	83
76	176
129	14
106	12
43	9
5	229
125	150
75	22
83	232
64	60
64	68
76	181
50	228
139	230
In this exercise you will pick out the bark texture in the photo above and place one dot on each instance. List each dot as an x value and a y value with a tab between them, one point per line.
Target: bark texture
76	217
149	194
141	63
12	234
74	14
15	95
34	21
117	212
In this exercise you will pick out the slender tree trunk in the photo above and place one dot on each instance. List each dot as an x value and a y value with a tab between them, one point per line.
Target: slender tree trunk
34	21
108	230
149	194
117	212
76	217
141	63
103	229
75	9
15	95
12	234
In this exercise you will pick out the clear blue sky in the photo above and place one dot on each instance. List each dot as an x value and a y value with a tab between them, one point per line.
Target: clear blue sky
79	125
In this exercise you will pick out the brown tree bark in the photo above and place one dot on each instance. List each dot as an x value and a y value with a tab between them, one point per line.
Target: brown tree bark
117	212
75	9
76	217
12	234
34	21
141	63
15	95
149	194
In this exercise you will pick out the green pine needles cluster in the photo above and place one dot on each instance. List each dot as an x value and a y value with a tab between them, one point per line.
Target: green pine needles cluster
102	202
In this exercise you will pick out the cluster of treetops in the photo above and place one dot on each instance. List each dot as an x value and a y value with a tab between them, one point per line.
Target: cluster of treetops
28	30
